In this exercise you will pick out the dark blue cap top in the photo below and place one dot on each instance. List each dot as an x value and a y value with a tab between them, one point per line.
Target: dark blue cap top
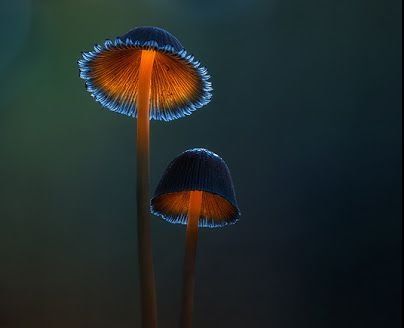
149	34
199	169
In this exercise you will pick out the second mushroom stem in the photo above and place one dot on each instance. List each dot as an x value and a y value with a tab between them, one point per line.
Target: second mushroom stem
194	211
146	272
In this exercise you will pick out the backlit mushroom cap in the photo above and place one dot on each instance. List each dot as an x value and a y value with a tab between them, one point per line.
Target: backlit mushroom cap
179	83
197	169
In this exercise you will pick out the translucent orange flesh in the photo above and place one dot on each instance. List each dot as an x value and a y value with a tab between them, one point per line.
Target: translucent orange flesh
213	207
194	209
174	81
143	99
146	273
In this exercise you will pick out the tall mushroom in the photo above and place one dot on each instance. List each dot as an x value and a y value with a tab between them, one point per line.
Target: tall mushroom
147	74
197	190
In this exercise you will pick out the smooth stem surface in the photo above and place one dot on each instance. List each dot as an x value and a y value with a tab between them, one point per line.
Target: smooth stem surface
146	272
194	211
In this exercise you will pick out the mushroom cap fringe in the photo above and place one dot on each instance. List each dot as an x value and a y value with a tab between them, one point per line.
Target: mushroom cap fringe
180	84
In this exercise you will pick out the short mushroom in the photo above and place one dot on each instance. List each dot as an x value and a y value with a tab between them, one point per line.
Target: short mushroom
197	190
147	74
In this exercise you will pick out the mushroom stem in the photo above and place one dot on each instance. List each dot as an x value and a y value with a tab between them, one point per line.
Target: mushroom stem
194	211
145	258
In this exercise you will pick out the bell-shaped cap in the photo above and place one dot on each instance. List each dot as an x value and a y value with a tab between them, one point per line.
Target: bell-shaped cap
179	83
197	169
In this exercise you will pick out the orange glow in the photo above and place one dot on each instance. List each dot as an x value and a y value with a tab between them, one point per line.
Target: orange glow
146	274
174	82
143	99
213	206
194	206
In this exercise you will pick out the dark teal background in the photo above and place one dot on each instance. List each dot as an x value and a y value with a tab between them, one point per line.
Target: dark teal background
307	114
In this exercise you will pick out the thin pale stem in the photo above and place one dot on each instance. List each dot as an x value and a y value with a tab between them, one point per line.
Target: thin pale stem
194	211
146	272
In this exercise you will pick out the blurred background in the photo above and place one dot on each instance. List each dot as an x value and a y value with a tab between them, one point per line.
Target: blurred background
307	114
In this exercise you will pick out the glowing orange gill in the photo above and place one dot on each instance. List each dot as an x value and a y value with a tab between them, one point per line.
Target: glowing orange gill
213	206
174	82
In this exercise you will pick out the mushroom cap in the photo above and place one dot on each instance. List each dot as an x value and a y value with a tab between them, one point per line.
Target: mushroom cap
197	169
179	85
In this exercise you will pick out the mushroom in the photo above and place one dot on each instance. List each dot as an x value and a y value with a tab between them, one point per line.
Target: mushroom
147	74
197	190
